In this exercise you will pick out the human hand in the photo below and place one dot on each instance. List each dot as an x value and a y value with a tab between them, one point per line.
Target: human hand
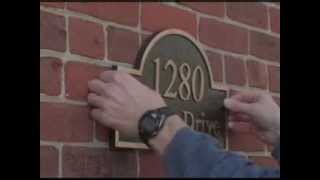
258	108
119	101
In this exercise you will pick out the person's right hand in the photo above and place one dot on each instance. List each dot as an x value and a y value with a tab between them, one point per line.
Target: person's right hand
258	108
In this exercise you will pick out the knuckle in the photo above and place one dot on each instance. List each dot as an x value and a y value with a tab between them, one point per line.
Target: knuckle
104	116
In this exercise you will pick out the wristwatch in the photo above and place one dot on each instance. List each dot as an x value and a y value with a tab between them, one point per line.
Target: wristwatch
151	123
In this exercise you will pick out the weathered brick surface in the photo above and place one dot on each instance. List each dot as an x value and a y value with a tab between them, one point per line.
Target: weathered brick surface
97	162
50	76
157	17
275	19
66	123
53	4
77	77
210	8
257	74
86	162
49	161
52	31
235	70
119	12
92	41
216	63
78	40
250	13
274	78
123	45
224	36
151	165
265	46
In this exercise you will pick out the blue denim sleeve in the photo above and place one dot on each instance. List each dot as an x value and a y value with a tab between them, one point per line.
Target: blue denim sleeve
195	154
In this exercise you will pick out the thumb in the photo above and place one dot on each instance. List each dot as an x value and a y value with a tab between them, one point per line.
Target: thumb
237	106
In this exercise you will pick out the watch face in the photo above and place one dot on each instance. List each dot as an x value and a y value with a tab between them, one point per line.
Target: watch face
150	123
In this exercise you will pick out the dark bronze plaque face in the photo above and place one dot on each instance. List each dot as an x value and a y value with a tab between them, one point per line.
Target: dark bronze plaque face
176	67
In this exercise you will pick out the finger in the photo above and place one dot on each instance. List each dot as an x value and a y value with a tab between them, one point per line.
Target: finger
239	117
96	114
108	76
96	86
95	100
243	127
247	96
237	106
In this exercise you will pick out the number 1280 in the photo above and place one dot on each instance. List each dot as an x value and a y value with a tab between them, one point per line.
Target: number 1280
185	72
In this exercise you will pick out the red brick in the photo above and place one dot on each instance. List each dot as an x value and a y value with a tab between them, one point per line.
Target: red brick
123	45
257	74
151	165
86	38
49	161
64	122
98	162
274	78
145	39
52	32
275	19
157	17
250	13
50	76
265	161
265	46
86	162
120	12
235	71
102	132
53	4
215	61
77	77
223	36
210	8
124	163
244	141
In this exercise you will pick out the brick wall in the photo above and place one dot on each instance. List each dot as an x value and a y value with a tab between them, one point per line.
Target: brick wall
79	40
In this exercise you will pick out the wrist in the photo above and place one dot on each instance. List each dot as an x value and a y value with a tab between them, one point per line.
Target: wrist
172	125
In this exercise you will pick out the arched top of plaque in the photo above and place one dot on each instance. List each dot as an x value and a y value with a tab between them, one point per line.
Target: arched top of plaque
177	34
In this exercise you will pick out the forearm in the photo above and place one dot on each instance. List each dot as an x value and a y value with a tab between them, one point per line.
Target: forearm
188	153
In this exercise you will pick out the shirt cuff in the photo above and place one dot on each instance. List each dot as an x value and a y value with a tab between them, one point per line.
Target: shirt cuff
184	138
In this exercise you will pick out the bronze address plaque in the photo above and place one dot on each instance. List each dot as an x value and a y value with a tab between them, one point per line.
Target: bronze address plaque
174	65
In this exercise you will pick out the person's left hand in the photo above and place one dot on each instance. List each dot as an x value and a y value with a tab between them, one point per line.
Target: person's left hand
119	101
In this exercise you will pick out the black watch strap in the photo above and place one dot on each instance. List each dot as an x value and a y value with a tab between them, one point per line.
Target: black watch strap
155	119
